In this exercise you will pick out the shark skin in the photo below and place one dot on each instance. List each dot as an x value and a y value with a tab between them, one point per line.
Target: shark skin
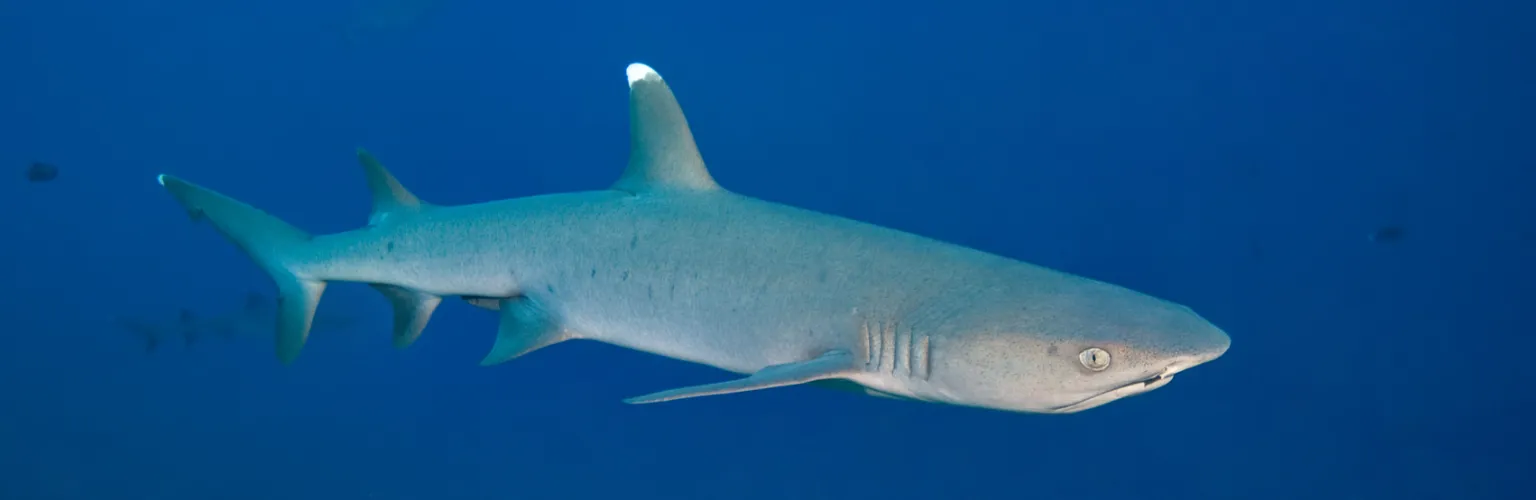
668	262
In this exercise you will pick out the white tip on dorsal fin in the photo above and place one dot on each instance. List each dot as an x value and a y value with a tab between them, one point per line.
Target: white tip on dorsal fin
637	72
389	197
662	154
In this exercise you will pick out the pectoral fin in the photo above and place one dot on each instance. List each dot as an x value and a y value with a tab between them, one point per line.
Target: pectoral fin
833	364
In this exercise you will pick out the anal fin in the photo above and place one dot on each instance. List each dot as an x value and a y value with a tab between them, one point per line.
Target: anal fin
413	309
525	327
833	364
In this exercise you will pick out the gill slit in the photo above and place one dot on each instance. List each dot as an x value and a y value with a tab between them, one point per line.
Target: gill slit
894	348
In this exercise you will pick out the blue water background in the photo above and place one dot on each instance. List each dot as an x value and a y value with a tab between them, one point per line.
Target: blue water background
1232	156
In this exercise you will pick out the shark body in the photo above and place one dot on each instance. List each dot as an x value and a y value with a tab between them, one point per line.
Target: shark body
667	261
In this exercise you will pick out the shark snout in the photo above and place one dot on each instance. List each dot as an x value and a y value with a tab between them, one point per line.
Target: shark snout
1217	343
1204	344
1189	341
1182	363
1224	343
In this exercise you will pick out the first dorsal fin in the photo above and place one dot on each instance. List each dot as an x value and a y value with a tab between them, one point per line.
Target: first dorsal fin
662	154
390	198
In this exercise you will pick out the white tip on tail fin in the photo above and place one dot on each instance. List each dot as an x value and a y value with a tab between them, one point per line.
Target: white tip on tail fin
277	247
662	154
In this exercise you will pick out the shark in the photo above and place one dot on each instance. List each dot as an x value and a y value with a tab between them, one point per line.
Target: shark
255	314
667	261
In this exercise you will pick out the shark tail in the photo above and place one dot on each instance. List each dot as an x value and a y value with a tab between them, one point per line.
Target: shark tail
277	247
291	258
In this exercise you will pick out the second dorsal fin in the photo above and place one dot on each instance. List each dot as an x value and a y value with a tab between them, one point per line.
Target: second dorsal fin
662	154
390	198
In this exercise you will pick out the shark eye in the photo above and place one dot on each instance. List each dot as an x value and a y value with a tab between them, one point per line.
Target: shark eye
1094	359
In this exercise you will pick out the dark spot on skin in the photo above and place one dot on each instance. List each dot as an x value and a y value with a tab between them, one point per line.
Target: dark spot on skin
389	247
624	277
42	172
551	289
594	272
649	292
633	241
1052	350
822	276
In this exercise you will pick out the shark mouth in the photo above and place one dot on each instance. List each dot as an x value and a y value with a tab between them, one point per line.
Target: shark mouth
1161	379
1130	389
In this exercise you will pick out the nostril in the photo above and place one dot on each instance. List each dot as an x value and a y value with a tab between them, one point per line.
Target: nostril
1180	364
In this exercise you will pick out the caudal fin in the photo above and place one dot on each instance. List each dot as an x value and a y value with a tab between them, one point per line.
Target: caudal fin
277	247
289	256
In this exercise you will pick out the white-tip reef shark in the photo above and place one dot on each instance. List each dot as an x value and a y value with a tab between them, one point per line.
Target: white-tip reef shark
667	261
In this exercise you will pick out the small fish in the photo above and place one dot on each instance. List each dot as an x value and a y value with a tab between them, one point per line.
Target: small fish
376	19
1387	234
254	318
42	172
